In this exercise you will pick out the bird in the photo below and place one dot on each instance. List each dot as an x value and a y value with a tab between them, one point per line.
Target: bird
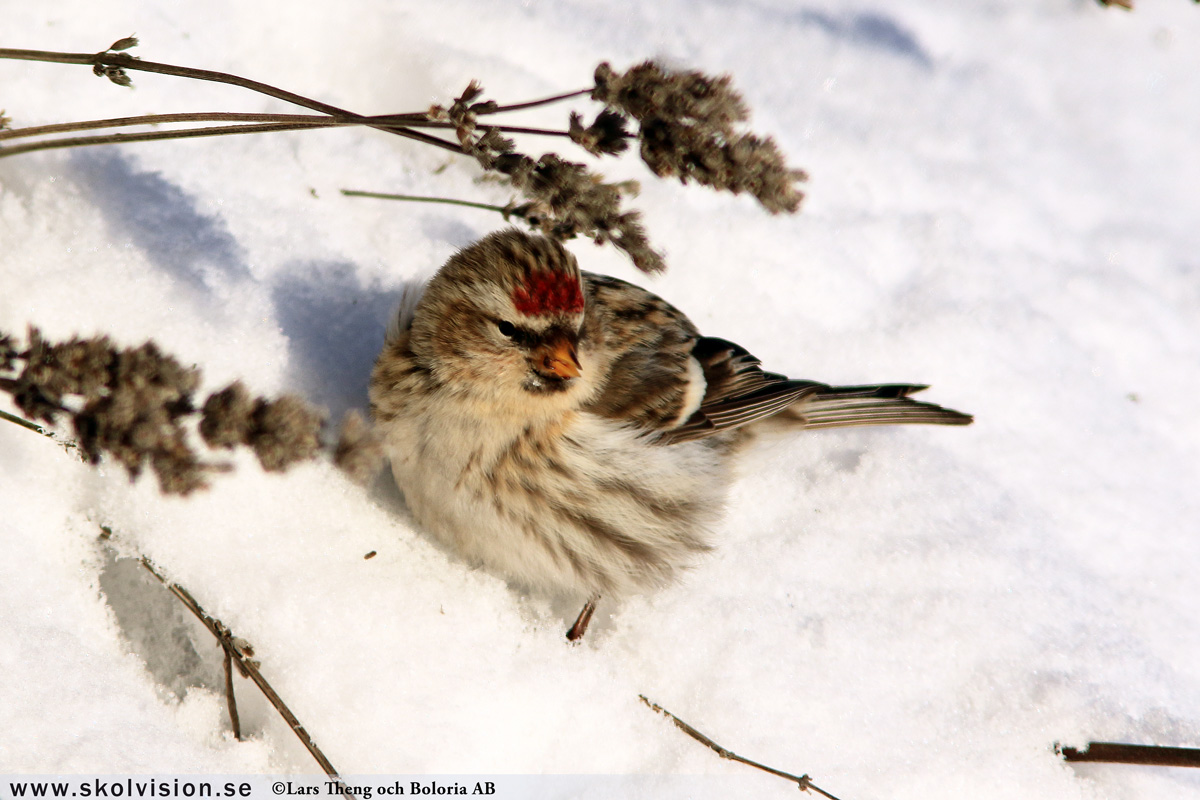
575	433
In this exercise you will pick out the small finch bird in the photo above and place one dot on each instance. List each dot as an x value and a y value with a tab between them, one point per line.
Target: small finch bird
574	432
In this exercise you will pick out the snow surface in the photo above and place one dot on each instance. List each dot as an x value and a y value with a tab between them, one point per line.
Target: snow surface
1003	204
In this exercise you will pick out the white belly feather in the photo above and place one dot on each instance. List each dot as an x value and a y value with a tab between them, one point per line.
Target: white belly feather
579	505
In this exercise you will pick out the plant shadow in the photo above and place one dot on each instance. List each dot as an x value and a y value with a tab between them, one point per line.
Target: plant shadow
335	329
160	219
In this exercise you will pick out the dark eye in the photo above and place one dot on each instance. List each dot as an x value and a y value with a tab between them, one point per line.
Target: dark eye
507	329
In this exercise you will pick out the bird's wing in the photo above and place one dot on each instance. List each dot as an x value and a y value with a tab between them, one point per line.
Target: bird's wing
740	392
665	379
650	380
881	404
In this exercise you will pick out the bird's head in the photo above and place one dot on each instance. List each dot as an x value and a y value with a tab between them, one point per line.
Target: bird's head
504	317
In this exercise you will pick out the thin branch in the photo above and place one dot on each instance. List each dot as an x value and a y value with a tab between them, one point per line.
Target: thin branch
531	103
1149	754
519	129
150	136
248	667
301	120
48	55
570	200
522	211
65	444
109	58
24	423
803	782
284	122
125	138
230	698
125	61
420	199
161	119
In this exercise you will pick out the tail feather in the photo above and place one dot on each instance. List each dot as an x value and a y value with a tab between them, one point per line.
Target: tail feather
738	392
886	404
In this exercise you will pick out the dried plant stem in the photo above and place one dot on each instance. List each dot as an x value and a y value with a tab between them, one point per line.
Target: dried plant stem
301	121
514	129
803	782
689	126
545	101
24	423
150	136
161	119
125	61
247	666
230	698
514	210
1148	754
421	199
313	120
65	444
224	130
395	123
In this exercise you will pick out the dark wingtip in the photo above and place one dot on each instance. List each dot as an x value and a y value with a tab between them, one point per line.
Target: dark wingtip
949	415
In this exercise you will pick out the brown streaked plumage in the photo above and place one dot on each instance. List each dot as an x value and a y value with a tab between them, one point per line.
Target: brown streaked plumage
572	431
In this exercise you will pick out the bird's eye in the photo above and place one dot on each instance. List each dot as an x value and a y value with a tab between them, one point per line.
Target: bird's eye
507	329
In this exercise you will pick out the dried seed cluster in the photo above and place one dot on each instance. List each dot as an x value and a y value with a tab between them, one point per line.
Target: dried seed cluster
687	129
281	432
607	135
566	199
688	126
135	405
116	74
358	453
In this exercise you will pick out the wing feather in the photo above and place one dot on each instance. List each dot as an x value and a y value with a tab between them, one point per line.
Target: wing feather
652	382
741	392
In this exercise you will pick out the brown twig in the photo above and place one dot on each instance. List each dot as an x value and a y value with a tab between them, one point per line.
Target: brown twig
803	782
163	119
236	651
414	198
65	444
299	120
24	423
230	698
689	126
393	123
1148	754
150	136
522	211
543	102
125	61
121	61
248	667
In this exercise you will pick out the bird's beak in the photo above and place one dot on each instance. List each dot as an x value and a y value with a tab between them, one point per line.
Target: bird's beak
556	358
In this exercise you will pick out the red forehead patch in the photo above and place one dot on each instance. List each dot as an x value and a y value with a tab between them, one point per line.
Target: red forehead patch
546	293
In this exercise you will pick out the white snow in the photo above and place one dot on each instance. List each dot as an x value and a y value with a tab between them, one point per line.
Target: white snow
1003	204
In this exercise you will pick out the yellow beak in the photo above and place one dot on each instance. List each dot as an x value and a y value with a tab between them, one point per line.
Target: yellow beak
557	358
